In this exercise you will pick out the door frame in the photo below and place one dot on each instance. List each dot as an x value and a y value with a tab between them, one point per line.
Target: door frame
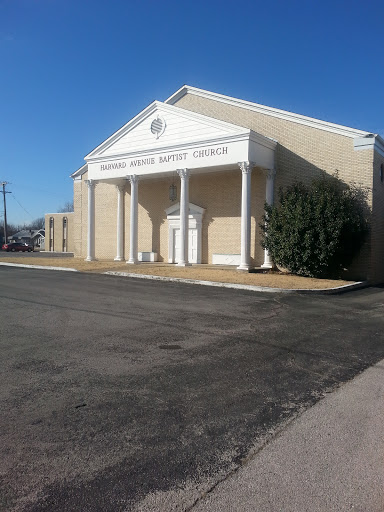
195	222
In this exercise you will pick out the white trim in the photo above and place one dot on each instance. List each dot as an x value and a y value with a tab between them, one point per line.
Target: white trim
274	112
370	142
170	148
157	106
172	209
58	213
248	135
76	176
195	218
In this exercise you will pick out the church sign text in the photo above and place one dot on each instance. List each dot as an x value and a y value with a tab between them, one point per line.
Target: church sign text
166	158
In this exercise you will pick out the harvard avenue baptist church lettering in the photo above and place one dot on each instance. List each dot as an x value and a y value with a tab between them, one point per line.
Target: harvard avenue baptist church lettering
162	159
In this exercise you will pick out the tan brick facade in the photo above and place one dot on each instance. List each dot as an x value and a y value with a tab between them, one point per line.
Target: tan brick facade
215	192
303	151
59	232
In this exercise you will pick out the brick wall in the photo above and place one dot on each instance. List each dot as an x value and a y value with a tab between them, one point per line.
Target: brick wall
58	232
218	193
302	153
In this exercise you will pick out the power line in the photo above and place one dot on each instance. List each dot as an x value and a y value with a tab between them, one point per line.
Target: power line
21	206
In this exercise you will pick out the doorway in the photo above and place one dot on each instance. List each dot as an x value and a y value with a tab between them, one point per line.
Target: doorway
194	233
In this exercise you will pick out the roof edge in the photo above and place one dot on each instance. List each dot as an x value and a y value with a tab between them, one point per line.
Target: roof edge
371	141
77	174
274	112
147	111
116	134
58	213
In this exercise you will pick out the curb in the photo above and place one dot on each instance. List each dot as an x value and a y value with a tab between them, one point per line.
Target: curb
40	267
321	291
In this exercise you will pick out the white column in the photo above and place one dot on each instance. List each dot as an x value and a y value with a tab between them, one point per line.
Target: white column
91	220
120	223
269	187
245	258
133	254
184	216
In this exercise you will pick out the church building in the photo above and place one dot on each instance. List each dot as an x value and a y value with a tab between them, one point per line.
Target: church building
185	182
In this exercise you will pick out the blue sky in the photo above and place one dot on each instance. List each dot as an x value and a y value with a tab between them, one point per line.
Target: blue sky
74	71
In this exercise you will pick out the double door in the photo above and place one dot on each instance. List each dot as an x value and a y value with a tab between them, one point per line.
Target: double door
192	245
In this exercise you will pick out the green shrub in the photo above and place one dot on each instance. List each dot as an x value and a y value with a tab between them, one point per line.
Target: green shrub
316	230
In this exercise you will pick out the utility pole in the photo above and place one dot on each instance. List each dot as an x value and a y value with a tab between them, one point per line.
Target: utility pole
3	184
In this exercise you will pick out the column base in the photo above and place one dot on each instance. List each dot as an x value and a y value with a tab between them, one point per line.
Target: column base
184	264
118	258
244	268
132	262
267	265
90	258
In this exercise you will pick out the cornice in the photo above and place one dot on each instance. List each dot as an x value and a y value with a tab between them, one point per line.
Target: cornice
273	112
121	131
60	213
192	207
77	174
246	135
164	108
263	141
372	141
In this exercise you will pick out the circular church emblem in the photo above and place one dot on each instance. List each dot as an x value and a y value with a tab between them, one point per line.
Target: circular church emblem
158	126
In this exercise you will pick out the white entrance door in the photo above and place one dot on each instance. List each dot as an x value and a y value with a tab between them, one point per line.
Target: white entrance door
192	245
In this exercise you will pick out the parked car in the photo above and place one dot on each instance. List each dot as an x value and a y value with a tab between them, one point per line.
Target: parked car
17	246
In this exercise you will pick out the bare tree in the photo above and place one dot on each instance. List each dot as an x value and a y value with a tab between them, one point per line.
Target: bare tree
38	223
68	207
11	229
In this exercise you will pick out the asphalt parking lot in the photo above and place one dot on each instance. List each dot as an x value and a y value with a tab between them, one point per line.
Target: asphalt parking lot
117	389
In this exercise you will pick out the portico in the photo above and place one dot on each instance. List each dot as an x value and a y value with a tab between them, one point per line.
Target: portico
165	142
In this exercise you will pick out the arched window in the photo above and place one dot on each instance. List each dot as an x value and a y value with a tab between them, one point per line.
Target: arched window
65	233
51	233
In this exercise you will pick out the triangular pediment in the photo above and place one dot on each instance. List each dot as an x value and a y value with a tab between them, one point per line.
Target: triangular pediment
194	210
162	126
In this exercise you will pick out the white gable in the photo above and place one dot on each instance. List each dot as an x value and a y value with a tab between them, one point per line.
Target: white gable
180	126
163	138
194	210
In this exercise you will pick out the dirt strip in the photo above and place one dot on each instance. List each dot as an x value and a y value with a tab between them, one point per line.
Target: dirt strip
198	272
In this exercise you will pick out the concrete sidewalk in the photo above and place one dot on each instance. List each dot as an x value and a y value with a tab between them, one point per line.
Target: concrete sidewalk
330	459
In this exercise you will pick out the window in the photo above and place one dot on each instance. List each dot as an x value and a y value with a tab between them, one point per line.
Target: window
51	233
65	223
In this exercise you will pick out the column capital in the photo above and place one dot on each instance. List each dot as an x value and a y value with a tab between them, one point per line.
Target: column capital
90	183
120	187
246	167
133	178
269	173
183	173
